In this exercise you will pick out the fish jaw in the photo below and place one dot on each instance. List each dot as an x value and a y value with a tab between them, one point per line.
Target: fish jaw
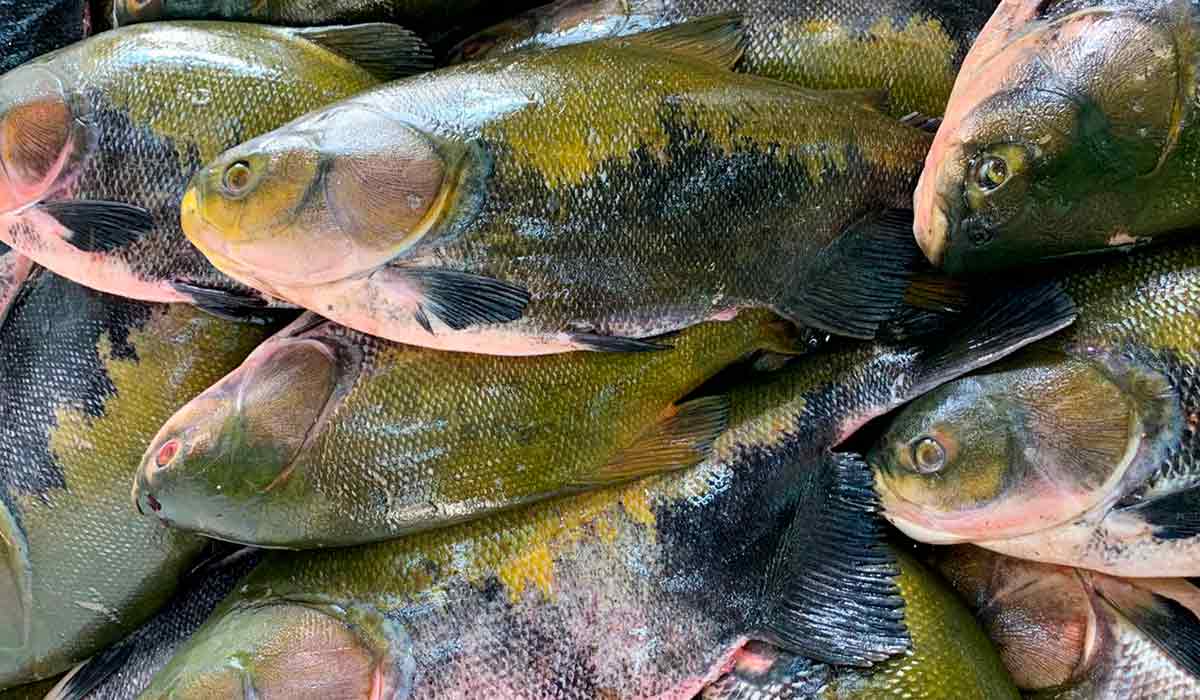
44	240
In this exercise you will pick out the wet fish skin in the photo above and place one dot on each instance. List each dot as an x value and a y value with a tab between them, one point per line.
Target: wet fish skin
1049	149
1060	635
947	644
912	48
1080	451
382	439
123	670
636	591
124	119
641	156
30	28
78	567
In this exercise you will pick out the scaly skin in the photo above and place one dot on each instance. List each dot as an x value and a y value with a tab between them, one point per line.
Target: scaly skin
606	179
641	591
1049	455
78	567
156	102
912	48
414	438
948	646
432	18
30	28
1058	634
1072	129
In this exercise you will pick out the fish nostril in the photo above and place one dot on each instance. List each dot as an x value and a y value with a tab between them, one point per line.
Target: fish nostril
153	503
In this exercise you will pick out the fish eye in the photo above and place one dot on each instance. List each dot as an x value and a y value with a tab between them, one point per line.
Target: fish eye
166	453
991	172
237	178
928	455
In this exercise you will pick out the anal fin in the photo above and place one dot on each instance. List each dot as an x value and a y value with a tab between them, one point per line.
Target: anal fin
831	592
100	227
682	438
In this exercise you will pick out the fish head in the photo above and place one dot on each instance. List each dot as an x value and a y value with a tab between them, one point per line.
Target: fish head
226	463
1049	140
286	650
1042	617
132	11
334	194
44	134
1019	450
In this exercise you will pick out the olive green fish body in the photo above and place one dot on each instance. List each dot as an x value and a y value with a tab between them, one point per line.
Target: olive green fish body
595	192
123	120
384	439
911	48
1080	451
87	379
646	590
1072	129
1070	634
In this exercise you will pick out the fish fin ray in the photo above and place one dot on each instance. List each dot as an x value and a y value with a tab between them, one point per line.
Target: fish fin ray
1174	516
100	227
921	121
682	439
1172	626
385	50
596	342
458	299
831	590
232	306
857	282
717	39
87	676
1002	325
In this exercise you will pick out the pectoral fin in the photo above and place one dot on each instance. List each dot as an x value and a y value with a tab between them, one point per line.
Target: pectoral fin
457	299
100	227
682	438
16	584
1173	627
1174	516
831	593
386	51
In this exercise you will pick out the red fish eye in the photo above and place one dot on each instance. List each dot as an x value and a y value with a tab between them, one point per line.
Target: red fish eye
166	453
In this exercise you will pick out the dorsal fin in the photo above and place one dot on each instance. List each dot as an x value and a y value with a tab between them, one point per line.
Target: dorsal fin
384	50
717	39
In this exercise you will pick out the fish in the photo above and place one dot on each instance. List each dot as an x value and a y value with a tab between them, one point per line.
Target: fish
1080	451
85	381
30	28
948	645
439	21
123	670
103	136
911	48
1071	633
650	589
1069	132
582	198
328	437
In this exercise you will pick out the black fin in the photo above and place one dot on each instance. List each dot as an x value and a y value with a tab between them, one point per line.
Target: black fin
831	591
920	121
461	300
716	39
1174	516
612	343
231	306
995	329
385	50
85	677
100	227
1172	626
860	279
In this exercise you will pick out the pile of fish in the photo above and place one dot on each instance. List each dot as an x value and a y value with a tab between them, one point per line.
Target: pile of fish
715	349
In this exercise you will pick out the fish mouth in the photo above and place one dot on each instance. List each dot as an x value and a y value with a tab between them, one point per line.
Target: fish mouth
931	221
